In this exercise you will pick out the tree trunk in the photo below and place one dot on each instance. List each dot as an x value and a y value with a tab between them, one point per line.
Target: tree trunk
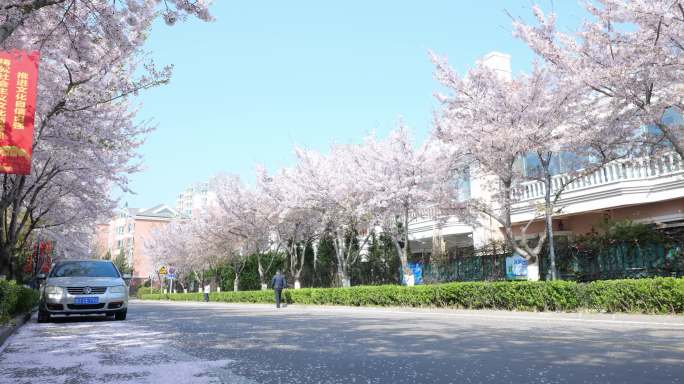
315	255
159	278
671	136
297	272
342	269
523	249
406	272
297	282
533	270
548	216
262	277
294	262
5	263
236	283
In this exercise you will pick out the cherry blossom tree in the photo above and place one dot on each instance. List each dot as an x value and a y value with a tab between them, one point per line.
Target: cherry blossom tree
57	16
297	227
248	213
177	245
629	55
398	182
330	185
493	121
223	245
85	139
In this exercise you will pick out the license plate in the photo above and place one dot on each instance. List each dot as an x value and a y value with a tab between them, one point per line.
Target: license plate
87	300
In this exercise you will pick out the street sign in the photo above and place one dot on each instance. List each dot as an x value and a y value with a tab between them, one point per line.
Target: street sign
171	276
162	270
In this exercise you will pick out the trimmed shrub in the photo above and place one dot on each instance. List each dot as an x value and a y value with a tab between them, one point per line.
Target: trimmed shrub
656	295
15	299
145	291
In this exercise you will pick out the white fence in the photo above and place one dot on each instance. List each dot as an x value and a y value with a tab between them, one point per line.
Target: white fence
618	171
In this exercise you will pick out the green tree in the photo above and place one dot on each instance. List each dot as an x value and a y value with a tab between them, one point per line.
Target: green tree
122	264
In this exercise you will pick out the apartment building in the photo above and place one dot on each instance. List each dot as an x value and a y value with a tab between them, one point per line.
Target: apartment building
127	232
192	199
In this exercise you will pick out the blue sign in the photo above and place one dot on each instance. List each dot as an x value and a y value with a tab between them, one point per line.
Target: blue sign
516	267
417	269
171	276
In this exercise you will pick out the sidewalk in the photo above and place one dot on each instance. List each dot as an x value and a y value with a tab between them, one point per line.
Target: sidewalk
8	330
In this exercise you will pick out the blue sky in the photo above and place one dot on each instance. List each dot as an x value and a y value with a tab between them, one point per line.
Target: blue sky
266	76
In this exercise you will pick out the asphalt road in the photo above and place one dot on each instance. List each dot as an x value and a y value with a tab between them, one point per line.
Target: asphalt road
230	343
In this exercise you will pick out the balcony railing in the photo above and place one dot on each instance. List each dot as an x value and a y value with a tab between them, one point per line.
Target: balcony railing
620	170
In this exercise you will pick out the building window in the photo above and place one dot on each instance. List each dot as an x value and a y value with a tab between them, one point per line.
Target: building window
565	162
463	186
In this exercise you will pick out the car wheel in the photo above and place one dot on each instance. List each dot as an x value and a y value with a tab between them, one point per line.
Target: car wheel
120	315
43	317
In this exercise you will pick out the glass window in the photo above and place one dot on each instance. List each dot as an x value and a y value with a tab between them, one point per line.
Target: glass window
556	165
463	186
84	269
571	162
531	165
560	163
673	116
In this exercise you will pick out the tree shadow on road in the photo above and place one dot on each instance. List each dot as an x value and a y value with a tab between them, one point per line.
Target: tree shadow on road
384	347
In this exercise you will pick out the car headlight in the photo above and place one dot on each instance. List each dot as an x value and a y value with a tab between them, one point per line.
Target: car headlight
54	290
117	289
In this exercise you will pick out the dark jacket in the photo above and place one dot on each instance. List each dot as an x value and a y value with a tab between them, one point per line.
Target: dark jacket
278	282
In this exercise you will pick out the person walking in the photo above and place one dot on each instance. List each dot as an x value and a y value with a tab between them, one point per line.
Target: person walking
278	283
207	289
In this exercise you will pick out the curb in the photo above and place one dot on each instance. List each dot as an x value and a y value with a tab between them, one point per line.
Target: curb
9	330
669	320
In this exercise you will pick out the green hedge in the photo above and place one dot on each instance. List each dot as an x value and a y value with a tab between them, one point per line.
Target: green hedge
655	295
15	299
145	291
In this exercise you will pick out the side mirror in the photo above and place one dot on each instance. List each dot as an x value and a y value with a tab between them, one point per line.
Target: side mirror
126	276
41	276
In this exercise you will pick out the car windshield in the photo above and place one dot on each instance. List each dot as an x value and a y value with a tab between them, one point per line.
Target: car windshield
84	269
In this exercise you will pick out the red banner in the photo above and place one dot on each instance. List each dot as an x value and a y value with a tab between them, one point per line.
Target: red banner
18	84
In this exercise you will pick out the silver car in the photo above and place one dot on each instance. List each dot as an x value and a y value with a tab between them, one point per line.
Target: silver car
84	287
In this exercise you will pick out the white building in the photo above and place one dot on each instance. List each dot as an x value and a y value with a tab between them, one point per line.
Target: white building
192	199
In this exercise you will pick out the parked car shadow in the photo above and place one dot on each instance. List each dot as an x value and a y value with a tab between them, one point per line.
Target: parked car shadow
80	319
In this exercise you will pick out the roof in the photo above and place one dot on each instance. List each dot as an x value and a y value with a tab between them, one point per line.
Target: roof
161	210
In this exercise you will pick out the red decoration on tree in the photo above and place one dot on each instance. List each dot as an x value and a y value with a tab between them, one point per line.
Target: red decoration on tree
28	265
18	84
46	264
